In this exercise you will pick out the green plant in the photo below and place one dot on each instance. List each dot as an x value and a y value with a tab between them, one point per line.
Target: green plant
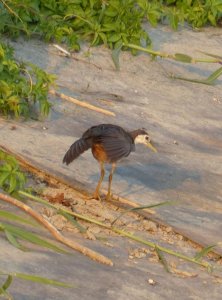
72	21
101	21
175	12
12	178
116	23
197	13
22	85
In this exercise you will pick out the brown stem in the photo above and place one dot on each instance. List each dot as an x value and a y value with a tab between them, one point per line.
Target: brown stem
55	233
81	103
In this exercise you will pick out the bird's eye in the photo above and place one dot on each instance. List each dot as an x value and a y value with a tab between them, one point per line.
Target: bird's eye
147	138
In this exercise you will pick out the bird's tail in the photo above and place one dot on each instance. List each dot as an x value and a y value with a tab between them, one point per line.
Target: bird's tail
75	150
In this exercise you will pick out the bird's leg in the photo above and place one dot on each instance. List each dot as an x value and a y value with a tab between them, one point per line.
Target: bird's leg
110	181
96	193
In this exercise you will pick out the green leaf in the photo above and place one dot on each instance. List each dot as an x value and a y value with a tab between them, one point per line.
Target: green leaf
12	184
143	207
2	52
114	37
115	55
71	219
211	55
31	237
14	217
5	88
212	19
103	37
204	252
38	279
162	259
13	241
7	283
209	81
3	177
214	76
152	205
183	58
42	280
5	286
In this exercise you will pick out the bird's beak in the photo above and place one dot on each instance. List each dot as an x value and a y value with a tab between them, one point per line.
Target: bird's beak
149	145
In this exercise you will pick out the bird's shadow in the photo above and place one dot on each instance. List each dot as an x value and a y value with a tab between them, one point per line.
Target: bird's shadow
156	176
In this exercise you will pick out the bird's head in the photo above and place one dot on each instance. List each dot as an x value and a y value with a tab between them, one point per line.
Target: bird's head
143	137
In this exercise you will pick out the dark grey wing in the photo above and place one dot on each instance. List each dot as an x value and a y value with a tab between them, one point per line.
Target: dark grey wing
116	144
75	150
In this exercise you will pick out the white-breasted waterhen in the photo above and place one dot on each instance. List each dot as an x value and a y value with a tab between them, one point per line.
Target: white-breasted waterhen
109	143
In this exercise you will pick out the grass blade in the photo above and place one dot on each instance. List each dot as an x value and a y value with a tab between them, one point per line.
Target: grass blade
40	279
211	55
13	217
115	55
7	283
152	205
37	199
162	259
72	219
33	278
13	240
31	237
5	294
209	81
143	207
5	286
204	252
214	76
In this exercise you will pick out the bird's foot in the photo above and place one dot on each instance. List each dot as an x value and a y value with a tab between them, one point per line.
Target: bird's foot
108	196
95	196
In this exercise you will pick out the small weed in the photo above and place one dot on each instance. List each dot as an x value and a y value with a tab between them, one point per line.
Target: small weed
12	178
22	86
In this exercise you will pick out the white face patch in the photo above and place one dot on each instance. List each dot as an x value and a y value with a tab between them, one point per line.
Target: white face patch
142	139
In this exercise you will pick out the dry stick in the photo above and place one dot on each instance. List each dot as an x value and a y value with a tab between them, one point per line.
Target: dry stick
62	50
84	250
82	103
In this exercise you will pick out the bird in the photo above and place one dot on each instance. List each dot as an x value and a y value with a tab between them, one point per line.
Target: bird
109	143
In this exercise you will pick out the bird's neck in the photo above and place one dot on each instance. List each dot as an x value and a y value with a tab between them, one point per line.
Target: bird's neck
134	133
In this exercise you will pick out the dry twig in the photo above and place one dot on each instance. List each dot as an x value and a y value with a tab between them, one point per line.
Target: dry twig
55	233
82	103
